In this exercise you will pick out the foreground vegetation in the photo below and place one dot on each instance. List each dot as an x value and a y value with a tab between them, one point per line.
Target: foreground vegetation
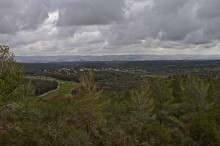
161	111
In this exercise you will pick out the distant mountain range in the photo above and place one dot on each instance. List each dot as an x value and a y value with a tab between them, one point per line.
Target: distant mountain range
76	58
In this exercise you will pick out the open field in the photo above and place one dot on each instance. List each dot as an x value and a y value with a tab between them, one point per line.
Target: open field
64	89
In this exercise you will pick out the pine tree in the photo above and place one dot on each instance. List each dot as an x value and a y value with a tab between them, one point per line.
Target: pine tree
6	57
88	102
177	86
196	93
163	99
26	90
164	104
11	76
143	103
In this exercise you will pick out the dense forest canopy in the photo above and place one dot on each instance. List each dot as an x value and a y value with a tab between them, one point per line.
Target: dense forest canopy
180	109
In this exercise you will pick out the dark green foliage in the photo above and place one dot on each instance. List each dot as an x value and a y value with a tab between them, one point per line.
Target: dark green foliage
162	94
43	86
12	84
196	95
205	131
11	78
177	86
68	77
214	90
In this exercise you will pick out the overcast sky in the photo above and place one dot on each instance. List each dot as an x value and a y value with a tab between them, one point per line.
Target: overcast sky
100	27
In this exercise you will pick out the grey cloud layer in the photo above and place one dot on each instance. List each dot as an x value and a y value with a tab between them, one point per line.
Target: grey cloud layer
90	12
191	21
22	14
110	26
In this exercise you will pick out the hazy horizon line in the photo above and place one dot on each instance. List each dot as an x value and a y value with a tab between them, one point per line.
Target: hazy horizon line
119	55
